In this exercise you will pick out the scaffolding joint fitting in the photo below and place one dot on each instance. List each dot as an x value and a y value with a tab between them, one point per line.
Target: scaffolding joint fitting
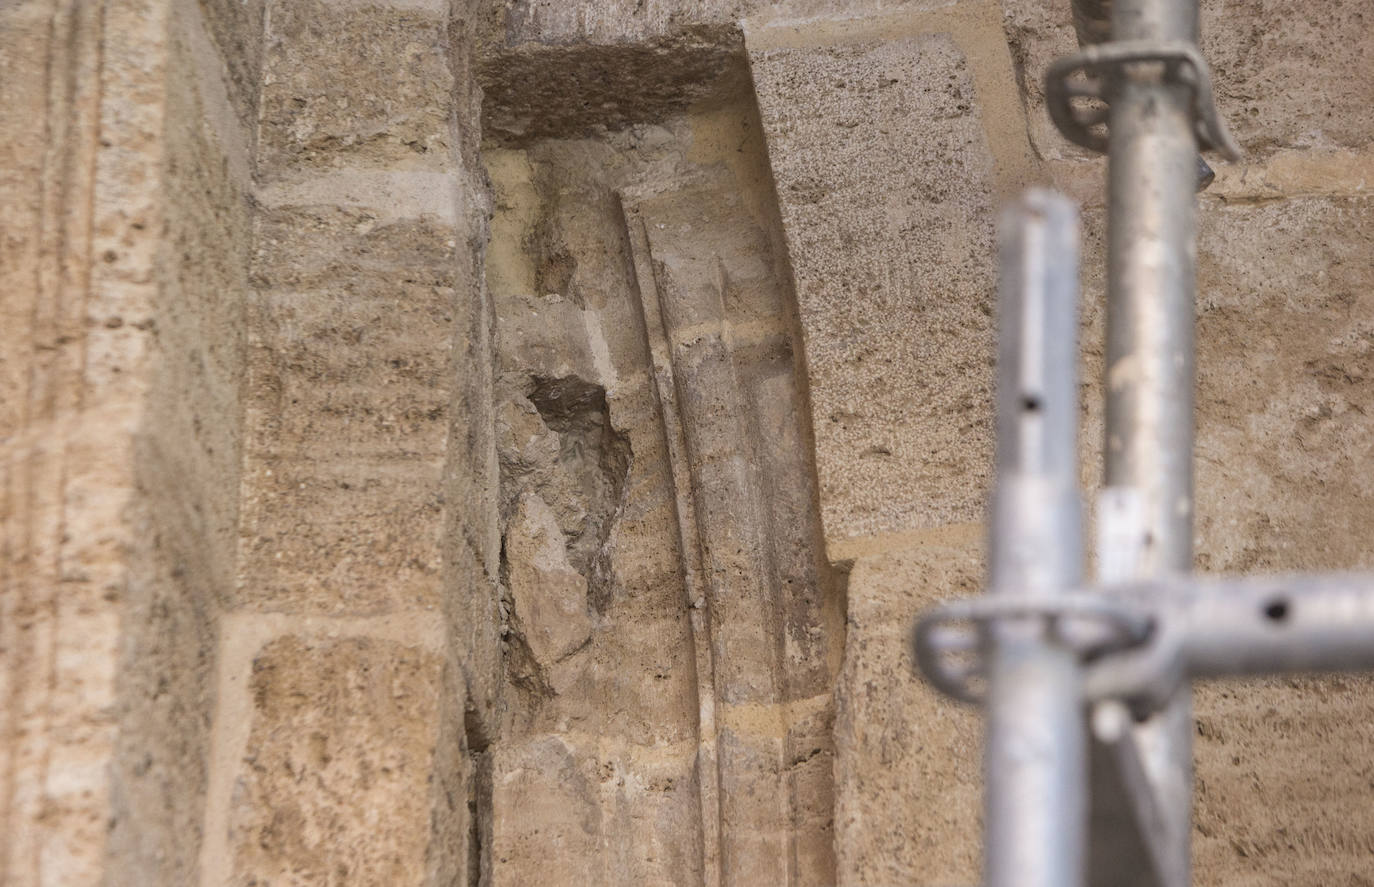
1103	66
951	641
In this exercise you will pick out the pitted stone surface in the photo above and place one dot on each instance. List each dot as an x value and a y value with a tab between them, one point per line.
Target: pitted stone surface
333	788
258	404
884	180
1292	78
627	21
357	85
549	598
1285	427
907	759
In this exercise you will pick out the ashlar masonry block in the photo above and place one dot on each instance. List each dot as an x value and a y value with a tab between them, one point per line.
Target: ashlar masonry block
334	785
885	183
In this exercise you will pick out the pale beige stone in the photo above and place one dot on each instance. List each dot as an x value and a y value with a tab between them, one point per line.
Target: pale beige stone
907	765
884	178
549	597
333	785
1284	435
354	85
519	517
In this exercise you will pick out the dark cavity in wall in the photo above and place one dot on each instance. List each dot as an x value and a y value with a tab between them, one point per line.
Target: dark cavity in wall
479	801
596	458
539	91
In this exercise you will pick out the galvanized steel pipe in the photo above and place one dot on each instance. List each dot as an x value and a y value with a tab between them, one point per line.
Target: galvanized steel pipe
1151	256
1036	775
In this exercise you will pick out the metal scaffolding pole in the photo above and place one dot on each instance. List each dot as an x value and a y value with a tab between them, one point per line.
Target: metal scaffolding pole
1152	175
1150	291
1040	649
1036	816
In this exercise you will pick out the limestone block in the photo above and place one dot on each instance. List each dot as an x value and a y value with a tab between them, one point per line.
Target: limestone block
612	813
313	240
161	763
354	536
1289	76
337	376
884	180
549	333
549	596
195	447
334	786
809	761
908	760
352	333
542	798
712	575
353	84
1285	438
348	408
1282	781
754	839
1284	427
188	455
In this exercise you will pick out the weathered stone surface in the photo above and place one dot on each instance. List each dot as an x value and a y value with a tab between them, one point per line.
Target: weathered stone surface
884	180
408	384
348	403
600	22
561	91
718	509
1292	79
113	521
717	326
360	536
393	107
578	424
614	813
548	597
1284	336
333	787
1284	431
187	463
907	767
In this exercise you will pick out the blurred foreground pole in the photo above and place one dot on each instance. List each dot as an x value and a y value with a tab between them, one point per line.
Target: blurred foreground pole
1036	770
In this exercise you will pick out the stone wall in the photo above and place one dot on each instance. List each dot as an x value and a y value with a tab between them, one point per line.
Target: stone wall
125	224
454	442
339	753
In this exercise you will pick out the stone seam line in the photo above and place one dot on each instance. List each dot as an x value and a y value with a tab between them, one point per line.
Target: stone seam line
1294	172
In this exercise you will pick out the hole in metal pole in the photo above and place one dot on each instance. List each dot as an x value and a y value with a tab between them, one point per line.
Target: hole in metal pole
1030	403
1276	610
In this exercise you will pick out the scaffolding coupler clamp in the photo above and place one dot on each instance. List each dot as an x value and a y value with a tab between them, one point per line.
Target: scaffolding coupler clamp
950	640
1139	643
1104	65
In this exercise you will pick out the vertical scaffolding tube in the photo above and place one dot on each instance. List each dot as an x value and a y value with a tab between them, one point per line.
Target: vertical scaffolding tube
1149	413
1036	771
